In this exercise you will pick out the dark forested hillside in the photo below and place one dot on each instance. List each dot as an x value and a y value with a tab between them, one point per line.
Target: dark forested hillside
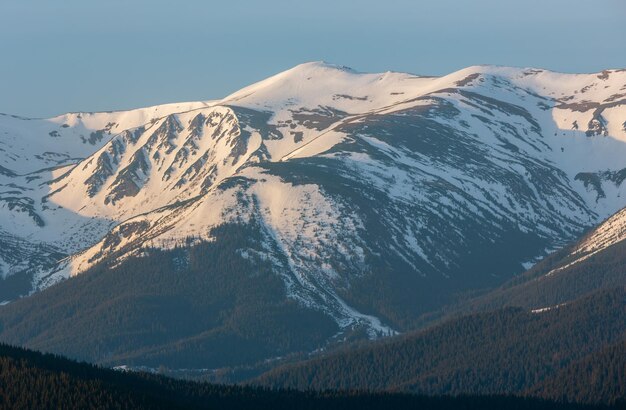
569	281
599	377
509	350
31	380
203	306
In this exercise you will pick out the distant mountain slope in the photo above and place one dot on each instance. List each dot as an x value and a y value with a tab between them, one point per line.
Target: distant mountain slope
375	198
509	350
31	380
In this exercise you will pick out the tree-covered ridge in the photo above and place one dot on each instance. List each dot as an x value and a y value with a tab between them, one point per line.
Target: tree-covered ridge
559	278
504	351
203	306
31	380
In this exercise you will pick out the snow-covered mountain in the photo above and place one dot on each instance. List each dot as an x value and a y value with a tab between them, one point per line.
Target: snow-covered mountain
374	196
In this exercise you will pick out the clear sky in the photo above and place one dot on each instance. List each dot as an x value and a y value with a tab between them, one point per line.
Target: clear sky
91	55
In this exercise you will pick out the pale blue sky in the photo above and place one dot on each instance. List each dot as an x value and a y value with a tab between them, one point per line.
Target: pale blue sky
89	55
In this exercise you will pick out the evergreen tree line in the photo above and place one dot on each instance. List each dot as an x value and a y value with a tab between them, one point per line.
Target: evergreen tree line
552	353
32	380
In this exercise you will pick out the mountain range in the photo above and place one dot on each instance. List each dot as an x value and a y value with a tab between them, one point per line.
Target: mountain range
316	207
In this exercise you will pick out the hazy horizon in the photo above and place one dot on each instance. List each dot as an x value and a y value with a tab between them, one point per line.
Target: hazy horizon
80	56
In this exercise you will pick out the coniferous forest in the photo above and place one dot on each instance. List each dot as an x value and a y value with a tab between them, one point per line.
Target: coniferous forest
31	380
573	352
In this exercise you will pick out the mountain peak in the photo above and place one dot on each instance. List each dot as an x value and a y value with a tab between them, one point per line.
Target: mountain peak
321	65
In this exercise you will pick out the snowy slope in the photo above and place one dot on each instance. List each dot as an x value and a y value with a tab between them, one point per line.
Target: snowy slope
446	183
33	152
610	232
